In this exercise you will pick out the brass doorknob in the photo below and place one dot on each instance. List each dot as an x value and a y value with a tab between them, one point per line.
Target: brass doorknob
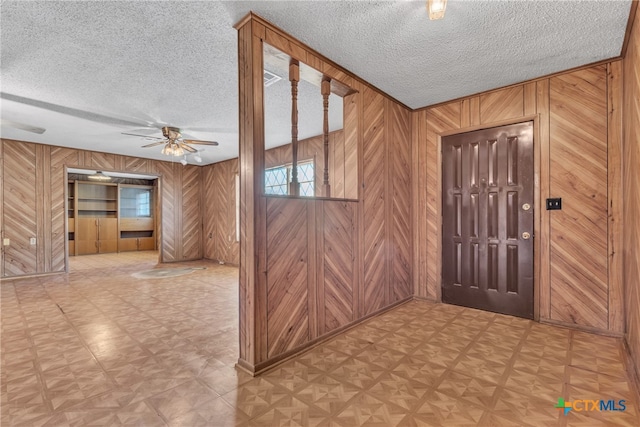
526	235
526	207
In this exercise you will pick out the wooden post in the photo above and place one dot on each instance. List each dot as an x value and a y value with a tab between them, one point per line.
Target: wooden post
325	89
294	78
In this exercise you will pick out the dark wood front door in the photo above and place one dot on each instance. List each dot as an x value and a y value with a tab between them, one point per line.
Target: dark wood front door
487	219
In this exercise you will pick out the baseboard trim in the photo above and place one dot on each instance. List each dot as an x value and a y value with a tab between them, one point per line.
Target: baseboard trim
32	276
274	362
581	328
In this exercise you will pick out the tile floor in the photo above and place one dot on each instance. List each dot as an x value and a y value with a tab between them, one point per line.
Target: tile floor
98	347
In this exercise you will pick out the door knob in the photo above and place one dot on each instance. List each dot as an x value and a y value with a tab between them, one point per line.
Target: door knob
526	207
526	235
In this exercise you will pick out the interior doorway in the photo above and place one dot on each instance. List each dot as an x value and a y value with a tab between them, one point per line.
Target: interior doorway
488	219
111	212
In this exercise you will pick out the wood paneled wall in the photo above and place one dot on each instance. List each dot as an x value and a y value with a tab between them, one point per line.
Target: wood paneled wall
310	267
33	199
578	271
219	215
631	179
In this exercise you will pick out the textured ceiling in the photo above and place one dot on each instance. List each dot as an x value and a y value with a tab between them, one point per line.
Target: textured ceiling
88	71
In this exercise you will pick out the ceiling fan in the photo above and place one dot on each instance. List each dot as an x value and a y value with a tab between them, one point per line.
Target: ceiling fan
174	142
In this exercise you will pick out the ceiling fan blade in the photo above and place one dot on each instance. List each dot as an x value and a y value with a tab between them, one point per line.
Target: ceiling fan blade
150	131
22	126
189	149
193	141
141	136
153	144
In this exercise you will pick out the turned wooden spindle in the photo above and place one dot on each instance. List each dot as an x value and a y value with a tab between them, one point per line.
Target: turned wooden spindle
325	89
294	78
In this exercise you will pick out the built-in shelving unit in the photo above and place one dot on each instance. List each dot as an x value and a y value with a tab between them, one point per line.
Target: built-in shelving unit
137	219
110	217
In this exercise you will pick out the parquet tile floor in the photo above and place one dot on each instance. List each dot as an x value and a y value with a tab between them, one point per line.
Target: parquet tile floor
98	347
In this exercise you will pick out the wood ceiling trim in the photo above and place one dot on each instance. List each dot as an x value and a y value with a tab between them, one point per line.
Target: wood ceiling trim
627	33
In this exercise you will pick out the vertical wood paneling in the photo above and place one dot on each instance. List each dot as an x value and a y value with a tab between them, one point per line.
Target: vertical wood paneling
338	238
19	220
43	207
631	180
578	152
400	174
191	213
502	104
439	119
614	190
287	257
350	128
544	281
375	257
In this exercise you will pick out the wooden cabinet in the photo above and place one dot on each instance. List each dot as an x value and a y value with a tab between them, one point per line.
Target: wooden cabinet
95	222
110	217
137	221
96	235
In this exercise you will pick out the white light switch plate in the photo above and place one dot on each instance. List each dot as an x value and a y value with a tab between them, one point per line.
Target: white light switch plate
32	241
6	242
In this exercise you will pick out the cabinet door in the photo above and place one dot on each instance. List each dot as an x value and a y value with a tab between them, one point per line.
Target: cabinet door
146	243
86	239
129	244
108	235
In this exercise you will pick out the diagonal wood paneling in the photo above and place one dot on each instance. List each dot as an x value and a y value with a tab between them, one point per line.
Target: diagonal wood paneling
219	218
103	160
502	104
136	164
60	157
191	213
19	222
169	207
287	257
400	170
578	152
375	259
339	263
209	209
439	119
631	179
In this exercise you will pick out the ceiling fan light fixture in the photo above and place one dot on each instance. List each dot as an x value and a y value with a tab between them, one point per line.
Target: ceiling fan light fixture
99	176
436	9
177	150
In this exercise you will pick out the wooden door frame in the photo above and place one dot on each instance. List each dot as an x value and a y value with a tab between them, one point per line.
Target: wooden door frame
538	206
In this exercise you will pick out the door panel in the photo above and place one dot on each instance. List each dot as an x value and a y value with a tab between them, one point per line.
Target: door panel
487	202
108	235
86	237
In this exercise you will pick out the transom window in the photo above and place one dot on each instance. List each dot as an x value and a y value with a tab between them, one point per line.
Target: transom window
276	180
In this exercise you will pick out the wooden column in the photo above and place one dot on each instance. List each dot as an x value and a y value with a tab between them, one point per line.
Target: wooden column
325	89
294	78
252	283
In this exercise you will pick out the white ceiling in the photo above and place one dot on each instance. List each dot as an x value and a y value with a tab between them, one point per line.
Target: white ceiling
88	71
